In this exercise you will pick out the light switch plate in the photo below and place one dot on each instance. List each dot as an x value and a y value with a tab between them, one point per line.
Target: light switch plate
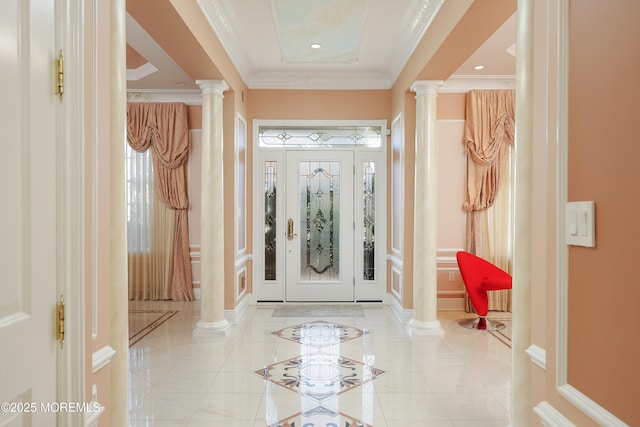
580	224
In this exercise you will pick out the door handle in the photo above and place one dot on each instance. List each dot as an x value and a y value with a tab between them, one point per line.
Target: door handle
290	234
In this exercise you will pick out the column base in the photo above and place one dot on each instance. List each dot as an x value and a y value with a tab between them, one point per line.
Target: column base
209	329
418	328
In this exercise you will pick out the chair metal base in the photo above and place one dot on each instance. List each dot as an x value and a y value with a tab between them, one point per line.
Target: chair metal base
482	323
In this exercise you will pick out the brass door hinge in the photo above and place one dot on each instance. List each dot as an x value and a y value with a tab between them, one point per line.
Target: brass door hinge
60	321
59	70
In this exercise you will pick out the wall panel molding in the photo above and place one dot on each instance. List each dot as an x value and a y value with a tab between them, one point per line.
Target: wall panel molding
101	358
538	355
589	407
550	416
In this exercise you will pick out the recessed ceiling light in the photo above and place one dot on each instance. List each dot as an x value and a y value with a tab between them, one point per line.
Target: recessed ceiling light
315	45
179	83
479	67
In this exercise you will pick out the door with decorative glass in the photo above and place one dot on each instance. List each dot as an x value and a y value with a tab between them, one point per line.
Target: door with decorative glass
320	219
319	226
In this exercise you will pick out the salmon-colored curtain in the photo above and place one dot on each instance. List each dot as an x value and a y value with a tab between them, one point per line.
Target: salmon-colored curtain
489	132
163	127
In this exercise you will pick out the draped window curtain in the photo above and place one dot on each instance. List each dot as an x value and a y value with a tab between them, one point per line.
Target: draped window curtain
160	263
488	139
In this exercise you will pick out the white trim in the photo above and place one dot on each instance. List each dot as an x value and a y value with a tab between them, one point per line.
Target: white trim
237	294
399	119
243	260
550	416
70	211
403	314
589	407
240	205
233	316
188	96
196	292
141	72
395	260
349	81
91	418
398	271
463	84
538	355
93	182
101	358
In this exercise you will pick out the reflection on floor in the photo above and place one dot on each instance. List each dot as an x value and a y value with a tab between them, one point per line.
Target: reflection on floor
294	372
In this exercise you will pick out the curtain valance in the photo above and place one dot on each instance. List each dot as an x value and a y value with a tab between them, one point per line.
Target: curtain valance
488	132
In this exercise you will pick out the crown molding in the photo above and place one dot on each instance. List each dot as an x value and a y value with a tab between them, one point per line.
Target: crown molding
464	83
188	96
141	72
315	80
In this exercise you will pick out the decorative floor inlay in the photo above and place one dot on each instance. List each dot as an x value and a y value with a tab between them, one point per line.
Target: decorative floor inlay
319	376
142	322
320	417
503	335
319	333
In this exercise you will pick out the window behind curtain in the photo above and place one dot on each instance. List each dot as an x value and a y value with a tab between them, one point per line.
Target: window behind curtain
139	193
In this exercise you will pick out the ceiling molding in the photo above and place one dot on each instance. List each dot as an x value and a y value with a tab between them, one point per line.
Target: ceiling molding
141	72
417	19
416	23
317	80
187	96
222	21
463	84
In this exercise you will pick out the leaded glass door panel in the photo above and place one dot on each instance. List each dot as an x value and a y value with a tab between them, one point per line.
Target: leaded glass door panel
319	226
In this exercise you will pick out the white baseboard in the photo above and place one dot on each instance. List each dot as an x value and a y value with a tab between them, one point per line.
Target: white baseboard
196	293
404	315
233	316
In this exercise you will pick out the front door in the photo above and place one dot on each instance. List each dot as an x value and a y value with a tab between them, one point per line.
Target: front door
28	213
319	226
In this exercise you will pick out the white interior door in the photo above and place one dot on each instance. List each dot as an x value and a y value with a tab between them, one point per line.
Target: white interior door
28	213
319	226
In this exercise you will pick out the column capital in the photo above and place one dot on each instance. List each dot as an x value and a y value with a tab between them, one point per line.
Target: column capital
426	87
212	87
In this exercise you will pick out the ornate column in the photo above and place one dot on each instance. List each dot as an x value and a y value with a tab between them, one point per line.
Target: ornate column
425	280
212	321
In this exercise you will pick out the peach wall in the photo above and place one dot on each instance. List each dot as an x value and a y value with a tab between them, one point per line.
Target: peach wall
603	155
319	104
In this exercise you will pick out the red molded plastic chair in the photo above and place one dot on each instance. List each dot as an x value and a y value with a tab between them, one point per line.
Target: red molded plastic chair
480	276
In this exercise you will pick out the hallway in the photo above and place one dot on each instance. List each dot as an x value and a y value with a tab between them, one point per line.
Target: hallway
362	370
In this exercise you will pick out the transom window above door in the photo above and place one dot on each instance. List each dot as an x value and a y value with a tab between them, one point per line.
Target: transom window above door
320	136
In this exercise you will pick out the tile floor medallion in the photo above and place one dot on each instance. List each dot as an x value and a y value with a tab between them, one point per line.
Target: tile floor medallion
320	417
319	333
320	373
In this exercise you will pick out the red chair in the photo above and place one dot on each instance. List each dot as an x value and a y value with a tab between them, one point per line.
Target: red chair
480	276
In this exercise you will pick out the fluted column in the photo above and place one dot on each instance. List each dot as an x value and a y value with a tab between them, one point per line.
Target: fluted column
425	280
212	321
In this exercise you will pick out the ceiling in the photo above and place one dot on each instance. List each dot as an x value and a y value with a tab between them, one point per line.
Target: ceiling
364	44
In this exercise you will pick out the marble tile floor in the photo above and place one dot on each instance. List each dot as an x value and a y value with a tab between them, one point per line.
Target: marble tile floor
341	371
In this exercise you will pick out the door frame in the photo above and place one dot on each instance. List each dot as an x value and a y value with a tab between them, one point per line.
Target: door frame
274	291
70	211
